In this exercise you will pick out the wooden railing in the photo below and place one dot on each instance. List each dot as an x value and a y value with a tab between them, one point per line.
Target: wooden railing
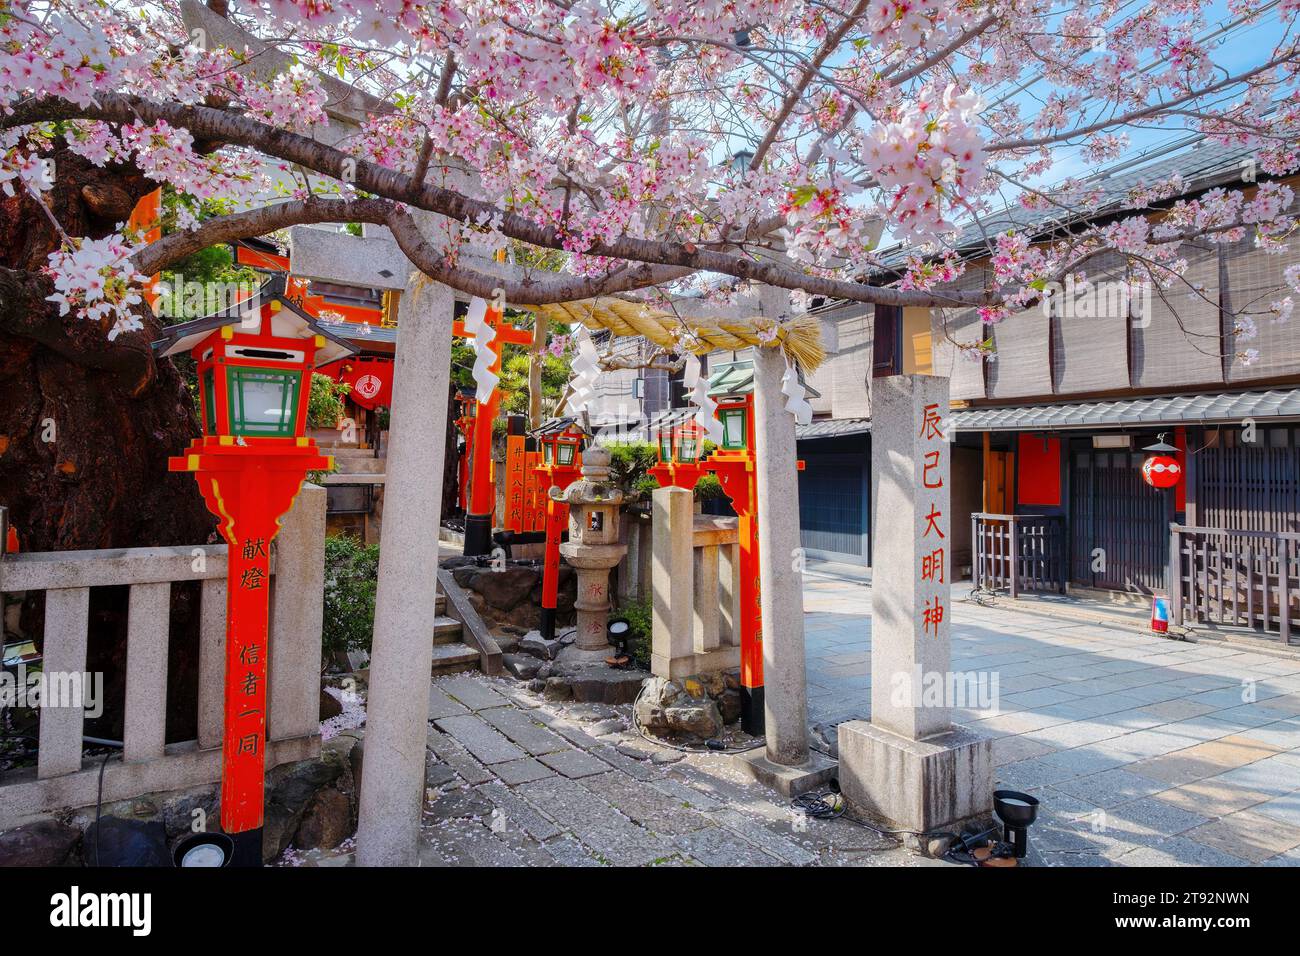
148	762
1017	553
1227	577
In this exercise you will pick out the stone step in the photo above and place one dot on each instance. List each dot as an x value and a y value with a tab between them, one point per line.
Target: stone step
446	630
440	604
358	465
453	659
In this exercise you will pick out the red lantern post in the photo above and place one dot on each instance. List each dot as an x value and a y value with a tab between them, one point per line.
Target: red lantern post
255	363
561	442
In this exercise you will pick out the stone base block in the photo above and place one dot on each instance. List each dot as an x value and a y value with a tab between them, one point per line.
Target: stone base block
938	783
701	662
788	781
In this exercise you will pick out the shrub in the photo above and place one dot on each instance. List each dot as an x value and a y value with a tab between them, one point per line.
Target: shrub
629	466
351	578
708	488
325	403
639	616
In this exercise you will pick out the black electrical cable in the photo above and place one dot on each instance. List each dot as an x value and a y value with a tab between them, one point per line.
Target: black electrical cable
99	795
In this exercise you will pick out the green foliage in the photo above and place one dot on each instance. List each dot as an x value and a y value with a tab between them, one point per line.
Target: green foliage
629	465
325	404
708	488
639	615
351	576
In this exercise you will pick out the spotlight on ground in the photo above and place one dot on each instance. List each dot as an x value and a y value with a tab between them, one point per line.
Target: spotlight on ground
204	849
1017	811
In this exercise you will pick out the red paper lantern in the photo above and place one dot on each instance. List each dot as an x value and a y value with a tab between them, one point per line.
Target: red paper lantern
1161	471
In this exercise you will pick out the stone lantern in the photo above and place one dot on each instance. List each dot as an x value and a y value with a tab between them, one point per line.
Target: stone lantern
592	549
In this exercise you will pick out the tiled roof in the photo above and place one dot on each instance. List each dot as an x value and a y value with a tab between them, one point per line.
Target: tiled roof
832	428
1215	408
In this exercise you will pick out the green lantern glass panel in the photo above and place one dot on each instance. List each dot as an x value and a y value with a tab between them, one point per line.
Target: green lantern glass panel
209	403
565	452
733	428
665	446
546	451
686	450
263	403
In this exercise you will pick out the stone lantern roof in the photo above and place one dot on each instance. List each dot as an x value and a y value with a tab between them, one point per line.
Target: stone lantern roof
594	487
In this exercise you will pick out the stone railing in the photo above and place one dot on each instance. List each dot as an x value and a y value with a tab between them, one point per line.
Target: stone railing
61	779
695	588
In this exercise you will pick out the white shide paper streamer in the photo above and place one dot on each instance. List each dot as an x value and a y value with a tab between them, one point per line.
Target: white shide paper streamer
586	369
485	380
704	404
796	398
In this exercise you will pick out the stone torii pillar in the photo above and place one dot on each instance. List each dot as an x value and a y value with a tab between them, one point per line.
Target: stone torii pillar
392	787
786	762
909	766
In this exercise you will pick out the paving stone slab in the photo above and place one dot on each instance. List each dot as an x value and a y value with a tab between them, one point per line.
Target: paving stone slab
689	795
514	772
716	846
524	730
480	739
519	813
651	808
1249	835
575	763
440	705
474	692
625	764
465	843
762	837
457	757
590	818
567	851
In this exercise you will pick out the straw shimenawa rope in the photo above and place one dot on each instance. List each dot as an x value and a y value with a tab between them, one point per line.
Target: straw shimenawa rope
799	338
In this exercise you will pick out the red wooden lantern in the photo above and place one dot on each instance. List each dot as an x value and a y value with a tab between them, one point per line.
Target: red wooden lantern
255	362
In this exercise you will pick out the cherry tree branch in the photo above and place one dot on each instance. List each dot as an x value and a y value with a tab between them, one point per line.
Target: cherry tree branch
229	127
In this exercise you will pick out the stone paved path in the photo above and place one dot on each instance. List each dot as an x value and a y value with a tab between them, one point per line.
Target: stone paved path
513	780
1143	751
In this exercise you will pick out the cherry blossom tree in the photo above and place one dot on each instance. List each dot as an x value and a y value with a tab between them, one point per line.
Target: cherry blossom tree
652	144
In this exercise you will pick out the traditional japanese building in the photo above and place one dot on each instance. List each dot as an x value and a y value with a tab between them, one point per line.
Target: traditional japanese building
1049	433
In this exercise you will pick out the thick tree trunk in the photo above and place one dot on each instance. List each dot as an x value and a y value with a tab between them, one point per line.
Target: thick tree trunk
86	427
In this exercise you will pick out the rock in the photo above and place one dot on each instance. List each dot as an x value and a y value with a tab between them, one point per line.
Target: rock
729	705
523	666
662	758
598	683
326	822
113	841
545	671
504	589
278	827
700	718
355	758
329	705
292	786
537	685
557	688
179	812
43	843
937	847
611	726
731	679
533	643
